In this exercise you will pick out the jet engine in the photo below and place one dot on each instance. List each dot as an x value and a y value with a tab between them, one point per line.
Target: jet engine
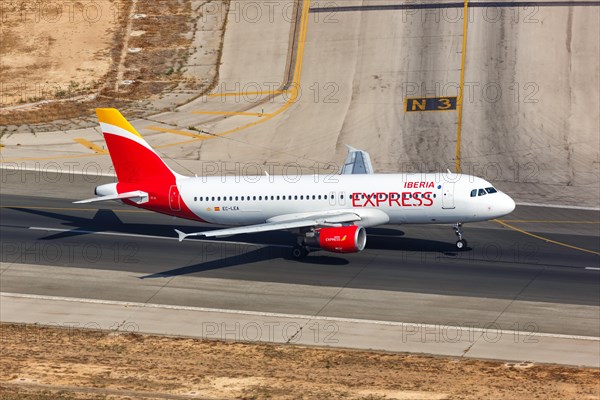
343	239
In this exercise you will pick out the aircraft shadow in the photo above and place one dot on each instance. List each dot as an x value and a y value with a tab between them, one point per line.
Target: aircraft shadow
262	254
105	220
409	244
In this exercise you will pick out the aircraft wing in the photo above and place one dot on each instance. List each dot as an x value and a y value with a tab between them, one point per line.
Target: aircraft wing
138	196
357	162
280	223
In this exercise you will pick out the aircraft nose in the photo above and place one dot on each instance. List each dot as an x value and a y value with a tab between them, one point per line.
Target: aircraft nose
508	204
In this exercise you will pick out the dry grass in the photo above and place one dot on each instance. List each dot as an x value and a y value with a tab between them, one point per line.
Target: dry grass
45	363
156	69
164	48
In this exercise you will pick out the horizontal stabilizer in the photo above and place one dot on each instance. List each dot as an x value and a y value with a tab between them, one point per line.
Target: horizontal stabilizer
137	196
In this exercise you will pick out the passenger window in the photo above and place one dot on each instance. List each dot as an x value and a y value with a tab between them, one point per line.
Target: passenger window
473	192
482	192
491	190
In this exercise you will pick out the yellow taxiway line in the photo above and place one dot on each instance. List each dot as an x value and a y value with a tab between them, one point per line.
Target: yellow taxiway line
544	239
247	114
94	147
461	88
293	90
178	132
197	137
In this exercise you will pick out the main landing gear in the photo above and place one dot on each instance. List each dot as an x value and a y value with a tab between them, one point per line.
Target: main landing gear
300	250
461	243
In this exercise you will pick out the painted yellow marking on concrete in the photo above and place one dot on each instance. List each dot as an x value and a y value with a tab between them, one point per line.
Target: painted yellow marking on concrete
71	209
461	88
417	104
272	92
178	132
546	221
545	239
94	147
247	114
293	89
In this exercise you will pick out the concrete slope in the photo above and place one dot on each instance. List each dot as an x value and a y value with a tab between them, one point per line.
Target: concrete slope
531	96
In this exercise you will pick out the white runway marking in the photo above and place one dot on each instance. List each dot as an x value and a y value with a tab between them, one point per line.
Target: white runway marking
39	228
593	268
288	316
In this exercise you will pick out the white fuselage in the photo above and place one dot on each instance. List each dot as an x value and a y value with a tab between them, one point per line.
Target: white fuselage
377	198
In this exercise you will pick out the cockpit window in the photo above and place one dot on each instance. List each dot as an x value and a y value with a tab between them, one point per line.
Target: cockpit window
482	192
473	192
491	190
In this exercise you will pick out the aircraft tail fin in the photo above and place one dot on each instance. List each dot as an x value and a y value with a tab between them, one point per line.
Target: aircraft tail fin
133	158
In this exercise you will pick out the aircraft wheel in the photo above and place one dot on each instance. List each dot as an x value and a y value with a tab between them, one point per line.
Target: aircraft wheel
461	244
299	252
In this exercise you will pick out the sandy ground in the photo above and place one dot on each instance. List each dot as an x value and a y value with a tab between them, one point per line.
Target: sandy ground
52	363
54	51
60	61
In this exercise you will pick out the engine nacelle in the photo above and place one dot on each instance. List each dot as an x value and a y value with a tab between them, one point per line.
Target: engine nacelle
343	239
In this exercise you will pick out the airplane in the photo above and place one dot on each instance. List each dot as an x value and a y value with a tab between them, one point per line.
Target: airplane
329	212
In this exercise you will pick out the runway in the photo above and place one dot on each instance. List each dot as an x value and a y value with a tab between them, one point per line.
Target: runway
407	273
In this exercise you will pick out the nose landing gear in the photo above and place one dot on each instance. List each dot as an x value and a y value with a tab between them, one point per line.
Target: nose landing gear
461	243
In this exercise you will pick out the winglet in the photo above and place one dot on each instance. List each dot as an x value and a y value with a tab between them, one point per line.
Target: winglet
181	235
357	162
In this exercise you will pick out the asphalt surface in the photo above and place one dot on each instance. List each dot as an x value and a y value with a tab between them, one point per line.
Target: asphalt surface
408	273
